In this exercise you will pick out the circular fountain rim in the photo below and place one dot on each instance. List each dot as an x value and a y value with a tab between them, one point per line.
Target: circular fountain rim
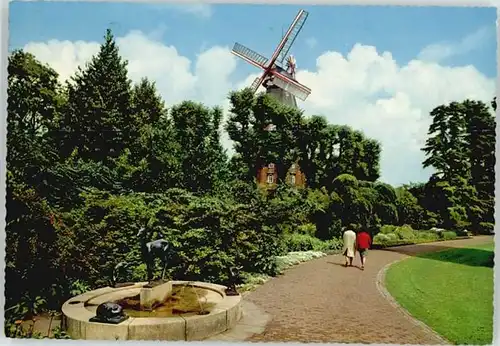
223	316
135	290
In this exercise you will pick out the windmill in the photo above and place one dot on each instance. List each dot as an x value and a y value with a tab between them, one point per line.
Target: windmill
279	80
279	72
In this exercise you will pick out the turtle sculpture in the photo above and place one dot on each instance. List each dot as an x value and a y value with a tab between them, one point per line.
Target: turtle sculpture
109	313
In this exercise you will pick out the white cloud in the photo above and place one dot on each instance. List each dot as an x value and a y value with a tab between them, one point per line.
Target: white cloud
63	56
311	42
443	50
347	90
366	89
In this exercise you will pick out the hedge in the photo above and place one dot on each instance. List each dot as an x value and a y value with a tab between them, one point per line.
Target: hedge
404	235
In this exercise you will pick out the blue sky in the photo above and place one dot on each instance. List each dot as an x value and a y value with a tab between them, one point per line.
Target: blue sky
434	55
404	31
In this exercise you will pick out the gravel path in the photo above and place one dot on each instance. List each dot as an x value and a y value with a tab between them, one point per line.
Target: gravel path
322	301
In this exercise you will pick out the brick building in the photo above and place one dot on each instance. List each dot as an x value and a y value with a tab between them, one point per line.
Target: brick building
267	176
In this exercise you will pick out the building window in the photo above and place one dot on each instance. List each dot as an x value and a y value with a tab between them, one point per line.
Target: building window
270	178
292	179
271	166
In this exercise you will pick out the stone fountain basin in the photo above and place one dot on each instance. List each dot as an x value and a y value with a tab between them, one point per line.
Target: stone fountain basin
78	310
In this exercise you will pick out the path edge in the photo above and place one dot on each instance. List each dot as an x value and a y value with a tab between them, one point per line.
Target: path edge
254	321
385	293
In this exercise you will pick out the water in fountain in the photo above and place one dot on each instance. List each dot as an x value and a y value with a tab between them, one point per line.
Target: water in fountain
185	300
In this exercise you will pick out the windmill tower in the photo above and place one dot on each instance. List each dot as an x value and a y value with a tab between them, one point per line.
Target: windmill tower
282	95
278	78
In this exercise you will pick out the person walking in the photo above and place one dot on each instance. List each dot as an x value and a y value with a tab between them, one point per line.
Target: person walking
363	243
349	249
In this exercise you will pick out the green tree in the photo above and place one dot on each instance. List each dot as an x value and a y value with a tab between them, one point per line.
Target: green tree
481	141
409	210
240	128
147	105
203	161
151	163
351	203
315	132
264	131
385	204
322	150
446	148
98	119
342	150
33	105
461	149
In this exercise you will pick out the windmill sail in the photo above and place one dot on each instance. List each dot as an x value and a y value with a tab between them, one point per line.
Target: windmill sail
256	83
249	55
289	85
293	32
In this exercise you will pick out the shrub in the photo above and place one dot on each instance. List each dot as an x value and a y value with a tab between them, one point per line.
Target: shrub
208	234
307	229
437	230
486	228
405	232
392	237
448	235
334	230
252	280
334	244
380	238
386	229
427	235
302	242
462	233
36	250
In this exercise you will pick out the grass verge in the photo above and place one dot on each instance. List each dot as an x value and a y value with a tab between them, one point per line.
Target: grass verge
451	291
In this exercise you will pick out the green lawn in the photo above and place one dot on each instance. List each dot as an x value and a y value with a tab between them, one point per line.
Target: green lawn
451	291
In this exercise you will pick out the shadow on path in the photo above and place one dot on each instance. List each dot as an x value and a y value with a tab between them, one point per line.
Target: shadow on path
343	265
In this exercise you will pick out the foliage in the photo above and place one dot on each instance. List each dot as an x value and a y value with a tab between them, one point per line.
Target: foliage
58	333
92	161
252	281
461	148
297	242
17	330
322	150
202	159
33	237
302	242
97	119
391	235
